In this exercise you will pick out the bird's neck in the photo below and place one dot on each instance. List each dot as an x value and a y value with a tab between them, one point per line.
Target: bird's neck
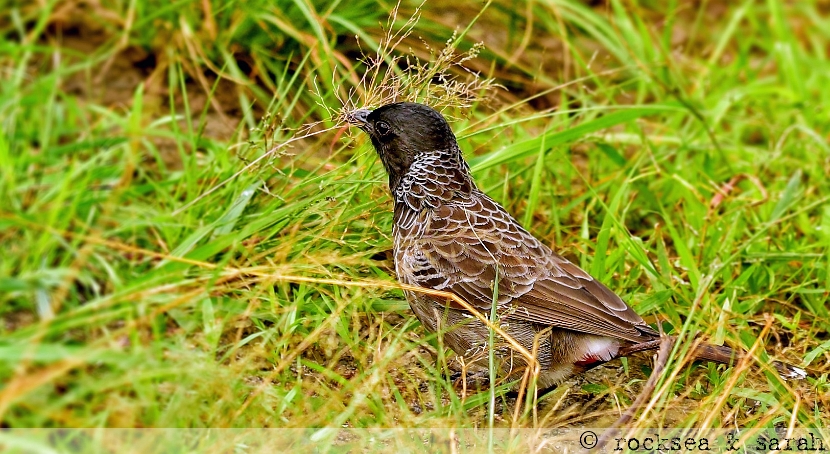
433	178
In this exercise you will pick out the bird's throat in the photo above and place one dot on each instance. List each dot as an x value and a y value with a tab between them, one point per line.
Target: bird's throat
433	179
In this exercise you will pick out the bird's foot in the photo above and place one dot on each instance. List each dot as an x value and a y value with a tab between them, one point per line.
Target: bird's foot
474	380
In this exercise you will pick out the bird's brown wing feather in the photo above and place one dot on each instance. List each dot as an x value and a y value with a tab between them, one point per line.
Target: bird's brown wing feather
455	247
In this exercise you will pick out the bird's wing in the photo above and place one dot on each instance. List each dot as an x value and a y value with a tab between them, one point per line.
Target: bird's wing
455	247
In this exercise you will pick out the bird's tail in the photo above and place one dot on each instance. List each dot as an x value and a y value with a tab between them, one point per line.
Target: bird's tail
718	354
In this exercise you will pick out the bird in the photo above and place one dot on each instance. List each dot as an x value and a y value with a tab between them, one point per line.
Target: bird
449	236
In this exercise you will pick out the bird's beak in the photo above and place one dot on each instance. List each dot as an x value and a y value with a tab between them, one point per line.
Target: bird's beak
358	118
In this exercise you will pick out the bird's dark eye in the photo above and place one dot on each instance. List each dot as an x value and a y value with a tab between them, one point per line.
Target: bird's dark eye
382	128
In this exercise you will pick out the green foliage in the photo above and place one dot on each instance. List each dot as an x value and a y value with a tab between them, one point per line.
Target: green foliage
164	264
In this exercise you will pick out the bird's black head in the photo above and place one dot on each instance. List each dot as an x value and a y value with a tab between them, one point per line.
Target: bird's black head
402	131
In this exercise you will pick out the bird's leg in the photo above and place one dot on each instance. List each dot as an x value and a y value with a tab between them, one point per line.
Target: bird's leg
473	379
465	374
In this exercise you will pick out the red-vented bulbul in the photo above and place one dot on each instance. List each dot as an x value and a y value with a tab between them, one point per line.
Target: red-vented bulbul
450	236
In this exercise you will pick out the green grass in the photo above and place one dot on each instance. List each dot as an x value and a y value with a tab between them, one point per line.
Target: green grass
141	288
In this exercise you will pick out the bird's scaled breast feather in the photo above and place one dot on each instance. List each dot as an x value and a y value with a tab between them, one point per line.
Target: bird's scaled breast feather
456	248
